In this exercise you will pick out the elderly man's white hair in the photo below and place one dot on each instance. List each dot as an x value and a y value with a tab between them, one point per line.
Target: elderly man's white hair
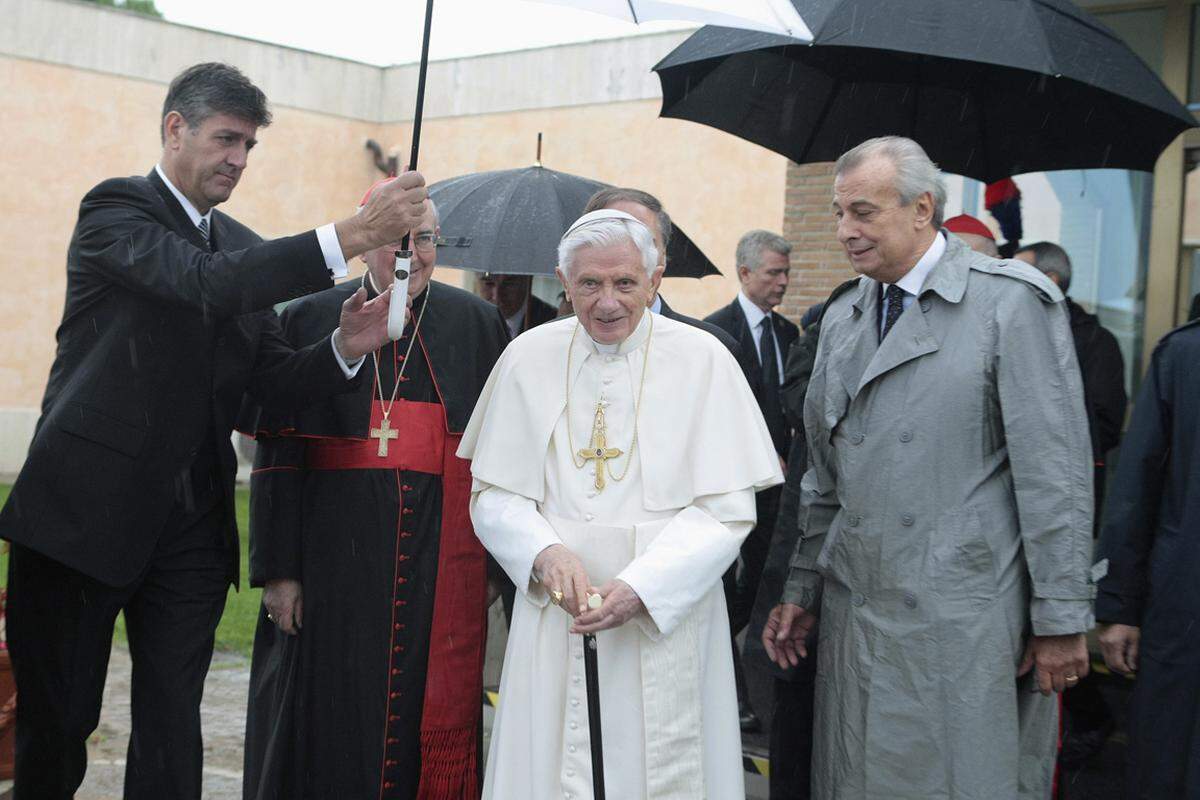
915	173
605	228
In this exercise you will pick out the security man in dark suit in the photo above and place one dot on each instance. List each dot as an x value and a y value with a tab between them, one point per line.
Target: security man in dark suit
763	268
125	501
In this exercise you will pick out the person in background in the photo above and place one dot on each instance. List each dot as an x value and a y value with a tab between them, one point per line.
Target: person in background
979	237
763	269
513	295
1148	595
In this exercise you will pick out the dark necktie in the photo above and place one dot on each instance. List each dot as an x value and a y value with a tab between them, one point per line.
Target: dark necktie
895	307
203	226
772	408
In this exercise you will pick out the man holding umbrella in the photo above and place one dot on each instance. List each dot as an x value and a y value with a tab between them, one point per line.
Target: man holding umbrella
616	454
946	513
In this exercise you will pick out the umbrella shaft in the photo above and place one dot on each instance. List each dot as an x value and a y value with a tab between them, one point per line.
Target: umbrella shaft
424	69
593	703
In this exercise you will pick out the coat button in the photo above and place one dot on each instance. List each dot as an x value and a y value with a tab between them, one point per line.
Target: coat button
906	436
855	520
857	599
906	520
858	438
910	600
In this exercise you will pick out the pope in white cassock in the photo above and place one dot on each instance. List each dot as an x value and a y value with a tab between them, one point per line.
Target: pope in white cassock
616	452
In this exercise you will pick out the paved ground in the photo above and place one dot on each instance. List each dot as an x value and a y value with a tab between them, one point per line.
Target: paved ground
224	713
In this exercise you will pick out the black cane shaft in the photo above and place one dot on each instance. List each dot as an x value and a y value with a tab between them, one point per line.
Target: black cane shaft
592	674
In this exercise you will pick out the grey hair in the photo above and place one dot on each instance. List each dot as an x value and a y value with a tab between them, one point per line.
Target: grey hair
1050	258
606	233
606	197
915	172
202	90
751	246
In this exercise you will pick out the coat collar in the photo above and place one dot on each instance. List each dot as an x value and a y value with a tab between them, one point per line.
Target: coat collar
182	222
912	336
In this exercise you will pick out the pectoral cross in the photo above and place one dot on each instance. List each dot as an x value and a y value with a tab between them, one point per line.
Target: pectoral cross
383	433
599	451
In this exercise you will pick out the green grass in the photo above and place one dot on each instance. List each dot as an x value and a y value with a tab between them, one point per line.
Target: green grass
235	633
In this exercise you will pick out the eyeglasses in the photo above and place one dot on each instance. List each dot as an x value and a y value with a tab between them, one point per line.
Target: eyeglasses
425	242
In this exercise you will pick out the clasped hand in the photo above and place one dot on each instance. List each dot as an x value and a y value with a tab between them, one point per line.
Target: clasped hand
560	570
785	635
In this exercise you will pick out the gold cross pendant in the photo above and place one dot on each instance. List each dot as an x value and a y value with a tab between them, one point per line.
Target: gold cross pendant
599	451
383	433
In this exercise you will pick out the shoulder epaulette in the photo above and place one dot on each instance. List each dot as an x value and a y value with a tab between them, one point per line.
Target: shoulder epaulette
1042	286
834	295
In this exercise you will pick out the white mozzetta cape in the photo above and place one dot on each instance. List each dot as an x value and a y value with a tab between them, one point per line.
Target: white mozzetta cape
701	432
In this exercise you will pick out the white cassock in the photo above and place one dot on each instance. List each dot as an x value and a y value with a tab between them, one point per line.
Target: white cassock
669	528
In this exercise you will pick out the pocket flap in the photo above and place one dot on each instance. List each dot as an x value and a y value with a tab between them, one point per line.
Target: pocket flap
96	426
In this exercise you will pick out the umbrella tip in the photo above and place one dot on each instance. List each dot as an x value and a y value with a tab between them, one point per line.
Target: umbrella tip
537	162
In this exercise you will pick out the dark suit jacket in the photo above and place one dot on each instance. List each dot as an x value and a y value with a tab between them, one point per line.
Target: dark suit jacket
160	338
537	312
733	321
745	360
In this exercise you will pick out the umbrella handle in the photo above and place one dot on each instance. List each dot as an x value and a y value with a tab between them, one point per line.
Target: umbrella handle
593	704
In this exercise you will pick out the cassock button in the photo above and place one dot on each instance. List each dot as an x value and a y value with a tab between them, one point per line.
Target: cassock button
575	680
570	774
574	726
571	749
589	517
575	702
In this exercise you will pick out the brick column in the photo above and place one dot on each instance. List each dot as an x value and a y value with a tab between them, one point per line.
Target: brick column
819	264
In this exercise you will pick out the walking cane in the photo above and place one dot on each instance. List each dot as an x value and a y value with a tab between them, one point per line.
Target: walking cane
592	675
593	705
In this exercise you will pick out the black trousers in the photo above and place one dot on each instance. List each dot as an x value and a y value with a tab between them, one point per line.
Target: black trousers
60	627
792	740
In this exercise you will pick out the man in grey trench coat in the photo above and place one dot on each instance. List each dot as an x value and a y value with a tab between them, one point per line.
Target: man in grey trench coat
947	510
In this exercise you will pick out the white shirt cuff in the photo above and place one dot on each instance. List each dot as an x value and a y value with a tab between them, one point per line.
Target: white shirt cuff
331	249
349	370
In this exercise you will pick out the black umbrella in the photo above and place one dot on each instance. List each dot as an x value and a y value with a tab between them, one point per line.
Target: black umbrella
990	88
509	222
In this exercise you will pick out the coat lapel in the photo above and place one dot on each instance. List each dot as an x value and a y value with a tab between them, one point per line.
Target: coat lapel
863	339
912	336
178	217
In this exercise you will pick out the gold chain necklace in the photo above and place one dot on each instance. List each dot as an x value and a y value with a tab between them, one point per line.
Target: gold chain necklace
384	433
602	464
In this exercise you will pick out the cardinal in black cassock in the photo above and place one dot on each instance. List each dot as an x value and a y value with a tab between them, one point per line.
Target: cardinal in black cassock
371	684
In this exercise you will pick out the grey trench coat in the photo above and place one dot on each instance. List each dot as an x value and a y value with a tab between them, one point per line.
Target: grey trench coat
947	512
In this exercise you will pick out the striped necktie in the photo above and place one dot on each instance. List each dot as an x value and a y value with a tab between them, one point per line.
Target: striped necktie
203	226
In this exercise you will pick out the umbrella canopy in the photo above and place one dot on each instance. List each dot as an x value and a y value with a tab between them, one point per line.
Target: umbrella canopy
510	221
772	16
990	89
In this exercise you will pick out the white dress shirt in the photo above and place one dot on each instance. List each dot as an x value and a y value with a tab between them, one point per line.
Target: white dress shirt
514	322
331	249
754	318
914	279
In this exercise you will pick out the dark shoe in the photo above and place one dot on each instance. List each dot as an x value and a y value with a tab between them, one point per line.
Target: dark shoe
748	719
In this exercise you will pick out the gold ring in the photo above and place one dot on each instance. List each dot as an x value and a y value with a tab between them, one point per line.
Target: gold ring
1072	679
556	596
